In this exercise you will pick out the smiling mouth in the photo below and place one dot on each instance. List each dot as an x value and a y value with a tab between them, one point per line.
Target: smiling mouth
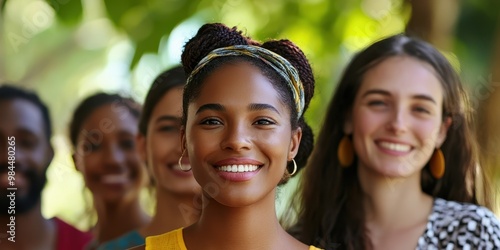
114	178
238	168
395	146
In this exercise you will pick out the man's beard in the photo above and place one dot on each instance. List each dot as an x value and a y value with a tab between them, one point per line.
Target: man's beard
26	202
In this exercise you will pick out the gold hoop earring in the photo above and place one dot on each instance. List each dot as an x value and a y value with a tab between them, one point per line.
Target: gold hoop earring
437	164
294	167
345	152
180	164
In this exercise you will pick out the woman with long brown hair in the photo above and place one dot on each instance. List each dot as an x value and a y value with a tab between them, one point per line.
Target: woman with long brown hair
395	165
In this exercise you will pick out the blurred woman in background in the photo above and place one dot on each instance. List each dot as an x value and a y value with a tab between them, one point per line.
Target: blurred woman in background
103	133
178	201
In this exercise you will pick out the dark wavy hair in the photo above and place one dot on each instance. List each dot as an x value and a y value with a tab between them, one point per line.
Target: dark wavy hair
93	102
329	199
216	35
169	79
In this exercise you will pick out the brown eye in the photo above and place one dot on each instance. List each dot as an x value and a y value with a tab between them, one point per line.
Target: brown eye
264	122
168	129
92	147
27	143
376	103
211	122
127	144
422	110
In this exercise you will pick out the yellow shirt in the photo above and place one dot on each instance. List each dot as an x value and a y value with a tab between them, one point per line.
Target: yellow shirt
174	240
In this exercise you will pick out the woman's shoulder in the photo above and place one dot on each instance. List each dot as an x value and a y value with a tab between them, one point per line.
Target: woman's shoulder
447	211
459	224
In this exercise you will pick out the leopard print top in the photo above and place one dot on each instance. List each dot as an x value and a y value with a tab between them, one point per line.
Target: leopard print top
455	225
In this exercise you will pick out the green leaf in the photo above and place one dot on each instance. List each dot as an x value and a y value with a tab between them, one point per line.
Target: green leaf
147	23
116	9
2	7
67	11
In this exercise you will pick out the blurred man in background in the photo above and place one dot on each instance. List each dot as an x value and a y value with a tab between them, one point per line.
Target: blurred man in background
25	154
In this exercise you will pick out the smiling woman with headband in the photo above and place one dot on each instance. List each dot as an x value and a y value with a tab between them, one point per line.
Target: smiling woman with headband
243	124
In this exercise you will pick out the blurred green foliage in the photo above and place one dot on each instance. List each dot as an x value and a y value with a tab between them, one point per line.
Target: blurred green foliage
146	22
68	11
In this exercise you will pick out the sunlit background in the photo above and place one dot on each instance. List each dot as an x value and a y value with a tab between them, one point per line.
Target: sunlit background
69	49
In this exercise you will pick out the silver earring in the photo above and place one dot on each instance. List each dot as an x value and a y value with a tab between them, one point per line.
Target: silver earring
294	167
180	164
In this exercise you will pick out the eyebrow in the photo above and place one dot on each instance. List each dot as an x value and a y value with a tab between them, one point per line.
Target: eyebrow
386	93
251	107
211	106
262	106
167	118
27	132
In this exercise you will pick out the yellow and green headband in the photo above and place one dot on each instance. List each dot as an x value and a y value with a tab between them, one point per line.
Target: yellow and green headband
275	61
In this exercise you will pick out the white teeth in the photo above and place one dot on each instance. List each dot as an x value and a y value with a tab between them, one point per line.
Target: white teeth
114	178
395	146
238	168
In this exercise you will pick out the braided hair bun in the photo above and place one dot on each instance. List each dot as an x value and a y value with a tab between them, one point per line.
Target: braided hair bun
210	37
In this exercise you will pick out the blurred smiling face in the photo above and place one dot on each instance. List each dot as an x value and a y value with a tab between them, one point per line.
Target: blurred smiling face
106	154
397	118
163	146
33	153
238	136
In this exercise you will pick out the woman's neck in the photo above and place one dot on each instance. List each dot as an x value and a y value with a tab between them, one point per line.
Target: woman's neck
172	212
249	227
113	220
393	203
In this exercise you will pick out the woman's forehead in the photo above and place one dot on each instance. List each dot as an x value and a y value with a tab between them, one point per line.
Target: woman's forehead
236	84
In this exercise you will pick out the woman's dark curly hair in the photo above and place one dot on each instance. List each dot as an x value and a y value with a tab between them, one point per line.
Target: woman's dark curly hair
95	101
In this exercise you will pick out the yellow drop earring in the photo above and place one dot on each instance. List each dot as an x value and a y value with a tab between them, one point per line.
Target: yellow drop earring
437	164
345	152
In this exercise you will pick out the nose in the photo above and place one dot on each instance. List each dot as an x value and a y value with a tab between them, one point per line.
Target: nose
113	156
236	137
398	121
